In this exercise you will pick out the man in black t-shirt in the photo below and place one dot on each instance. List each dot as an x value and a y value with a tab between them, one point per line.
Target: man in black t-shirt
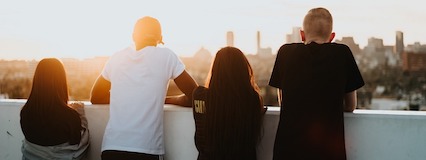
317	82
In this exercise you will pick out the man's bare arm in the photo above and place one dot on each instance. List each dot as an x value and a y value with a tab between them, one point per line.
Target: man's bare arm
279	96
186	84
350	101
100	91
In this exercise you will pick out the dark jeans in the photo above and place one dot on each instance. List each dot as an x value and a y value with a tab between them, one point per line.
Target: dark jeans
124	155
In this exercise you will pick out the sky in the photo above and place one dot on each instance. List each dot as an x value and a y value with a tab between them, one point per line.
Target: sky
88	28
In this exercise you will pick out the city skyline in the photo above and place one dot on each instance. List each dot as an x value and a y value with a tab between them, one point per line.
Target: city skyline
77	29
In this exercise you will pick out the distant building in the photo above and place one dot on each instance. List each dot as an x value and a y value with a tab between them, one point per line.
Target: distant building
375	43
399	42
416	48
376	53
262	52
198	65
349	41
203	55
258	40
391	59
294	37
414	62
230	39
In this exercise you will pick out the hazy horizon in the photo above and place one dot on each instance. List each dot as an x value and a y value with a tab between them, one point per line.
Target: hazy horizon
84	29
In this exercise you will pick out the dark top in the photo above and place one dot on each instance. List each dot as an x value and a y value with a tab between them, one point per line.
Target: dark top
314	79
199	112
64	125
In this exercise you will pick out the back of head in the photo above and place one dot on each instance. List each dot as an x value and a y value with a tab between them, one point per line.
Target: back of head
230	69
147	30
318	24
49	90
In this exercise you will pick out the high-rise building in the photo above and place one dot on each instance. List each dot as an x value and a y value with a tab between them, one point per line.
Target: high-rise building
294	37
399	42
258	40
230	38
414	63
262	52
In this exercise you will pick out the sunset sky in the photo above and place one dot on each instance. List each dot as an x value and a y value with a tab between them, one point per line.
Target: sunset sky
84	29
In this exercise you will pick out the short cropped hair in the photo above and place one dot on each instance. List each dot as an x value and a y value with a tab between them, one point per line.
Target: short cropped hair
147	29
318	23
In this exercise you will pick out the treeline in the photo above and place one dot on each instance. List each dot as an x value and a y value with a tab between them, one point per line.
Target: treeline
395	83
20	87
16	79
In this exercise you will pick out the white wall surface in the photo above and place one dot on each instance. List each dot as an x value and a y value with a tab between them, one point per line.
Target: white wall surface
370	135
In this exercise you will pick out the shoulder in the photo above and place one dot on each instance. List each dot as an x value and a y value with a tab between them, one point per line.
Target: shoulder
71	114
345	51
166	50
199	98
291	45
199	92
123	52
288	52
340	47
162	51
23	111
118	55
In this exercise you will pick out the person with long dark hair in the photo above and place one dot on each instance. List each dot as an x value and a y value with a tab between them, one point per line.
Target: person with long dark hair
228	112
52	128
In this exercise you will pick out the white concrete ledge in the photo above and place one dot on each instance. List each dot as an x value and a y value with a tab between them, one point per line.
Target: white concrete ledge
370	135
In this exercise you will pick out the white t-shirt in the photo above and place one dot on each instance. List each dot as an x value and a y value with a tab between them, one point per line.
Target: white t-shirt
139	82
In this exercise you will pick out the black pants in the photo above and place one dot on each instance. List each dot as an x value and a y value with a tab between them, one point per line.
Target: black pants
123	155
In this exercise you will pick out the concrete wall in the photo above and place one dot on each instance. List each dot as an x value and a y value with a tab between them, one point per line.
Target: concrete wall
370	135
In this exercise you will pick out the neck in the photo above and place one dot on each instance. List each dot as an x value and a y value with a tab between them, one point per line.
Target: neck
316	40
142	45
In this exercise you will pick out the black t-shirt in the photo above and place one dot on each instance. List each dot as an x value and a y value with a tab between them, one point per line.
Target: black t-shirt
314	79
200	108
64	125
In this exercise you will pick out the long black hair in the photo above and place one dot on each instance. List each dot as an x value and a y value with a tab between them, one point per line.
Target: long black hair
234	112
49	92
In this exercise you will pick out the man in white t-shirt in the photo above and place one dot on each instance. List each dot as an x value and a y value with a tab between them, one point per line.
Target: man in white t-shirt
134	81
